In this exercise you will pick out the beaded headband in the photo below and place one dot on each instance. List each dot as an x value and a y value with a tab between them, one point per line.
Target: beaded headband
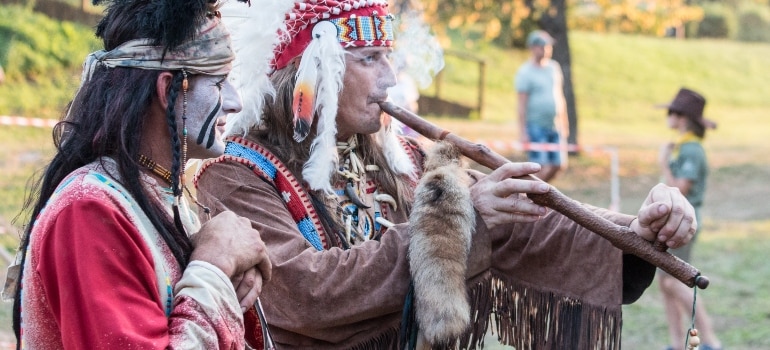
359	24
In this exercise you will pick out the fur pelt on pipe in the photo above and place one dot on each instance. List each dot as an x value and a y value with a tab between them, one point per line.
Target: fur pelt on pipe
441	224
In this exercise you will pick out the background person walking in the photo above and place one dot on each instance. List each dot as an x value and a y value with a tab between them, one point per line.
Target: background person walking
542	107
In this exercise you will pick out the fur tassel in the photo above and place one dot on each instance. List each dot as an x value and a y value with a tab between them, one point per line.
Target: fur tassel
329	58
442	223
254	29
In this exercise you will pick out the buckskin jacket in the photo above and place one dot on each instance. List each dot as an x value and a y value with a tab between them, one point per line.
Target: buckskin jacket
545	285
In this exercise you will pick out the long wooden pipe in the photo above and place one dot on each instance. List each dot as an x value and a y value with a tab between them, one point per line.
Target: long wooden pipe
621	237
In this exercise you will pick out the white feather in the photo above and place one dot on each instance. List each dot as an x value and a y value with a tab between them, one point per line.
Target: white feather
307	75
329	57
255	31
398	160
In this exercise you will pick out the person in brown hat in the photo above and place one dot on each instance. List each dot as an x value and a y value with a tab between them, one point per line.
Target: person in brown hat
683	165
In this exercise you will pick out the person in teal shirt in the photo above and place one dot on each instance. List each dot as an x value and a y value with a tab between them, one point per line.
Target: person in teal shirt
683	165
541	106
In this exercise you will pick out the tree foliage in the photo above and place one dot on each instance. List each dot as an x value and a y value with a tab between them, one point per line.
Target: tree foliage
34	46
42	59
507	22
491	20
633	16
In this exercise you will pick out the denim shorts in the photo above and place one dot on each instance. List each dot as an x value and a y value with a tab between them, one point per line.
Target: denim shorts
539	134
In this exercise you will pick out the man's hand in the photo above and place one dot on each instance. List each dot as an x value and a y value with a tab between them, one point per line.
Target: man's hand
500	199
666	216
228	242
248	287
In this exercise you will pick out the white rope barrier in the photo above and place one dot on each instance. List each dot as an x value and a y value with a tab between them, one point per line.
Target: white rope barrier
24	121
502	146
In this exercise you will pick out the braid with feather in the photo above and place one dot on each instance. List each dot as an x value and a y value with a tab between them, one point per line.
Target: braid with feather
176	147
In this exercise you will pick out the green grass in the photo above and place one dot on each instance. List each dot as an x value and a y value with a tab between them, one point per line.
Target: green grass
618	80
732	255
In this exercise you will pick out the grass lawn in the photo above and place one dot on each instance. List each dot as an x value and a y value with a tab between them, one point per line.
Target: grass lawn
618	80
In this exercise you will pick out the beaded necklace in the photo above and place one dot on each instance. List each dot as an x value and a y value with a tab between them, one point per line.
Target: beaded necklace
165	174
156	169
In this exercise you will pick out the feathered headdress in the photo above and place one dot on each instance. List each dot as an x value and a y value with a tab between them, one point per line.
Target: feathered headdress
256	30
318	31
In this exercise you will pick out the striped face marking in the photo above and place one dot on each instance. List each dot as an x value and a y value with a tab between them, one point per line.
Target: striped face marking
208	132
209	100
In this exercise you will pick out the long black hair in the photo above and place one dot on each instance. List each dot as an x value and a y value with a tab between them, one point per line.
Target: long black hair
108	114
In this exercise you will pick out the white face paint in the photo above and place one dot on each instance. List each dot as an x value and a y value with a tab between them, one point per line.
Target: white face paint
209	100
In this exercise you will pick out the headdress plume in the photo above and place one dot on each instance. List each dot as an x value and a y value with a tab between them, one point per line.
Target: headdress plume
319	79
256	31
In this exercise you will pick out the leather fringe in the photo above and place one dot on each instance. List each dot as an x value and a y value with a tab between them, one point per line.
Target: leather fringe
385	340
527	318
482	304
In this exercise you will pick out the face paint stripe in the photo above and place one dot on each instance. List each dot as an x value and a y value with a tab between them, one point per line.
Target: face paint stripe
209	119
212	136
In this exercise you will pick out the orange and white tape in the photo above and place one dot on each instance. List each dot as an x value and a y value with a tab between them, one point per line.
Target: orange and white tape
24	121
497	145
612	152
504	145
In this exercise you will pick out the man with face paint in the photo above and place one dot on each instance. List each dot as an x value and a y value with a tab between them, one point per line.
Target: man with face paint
209	101
346	207
113	257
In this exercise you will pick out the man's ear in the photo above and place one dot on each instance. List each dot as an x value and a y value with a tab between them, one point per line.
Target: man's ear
162	85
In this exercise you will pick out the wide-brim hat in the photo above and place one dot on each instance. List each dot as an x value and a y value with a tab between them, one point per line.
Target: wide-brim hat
690	104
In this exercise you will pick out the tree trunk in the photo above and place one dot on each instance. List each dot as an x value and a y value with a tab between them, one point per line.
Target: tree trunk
83	5
554	21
